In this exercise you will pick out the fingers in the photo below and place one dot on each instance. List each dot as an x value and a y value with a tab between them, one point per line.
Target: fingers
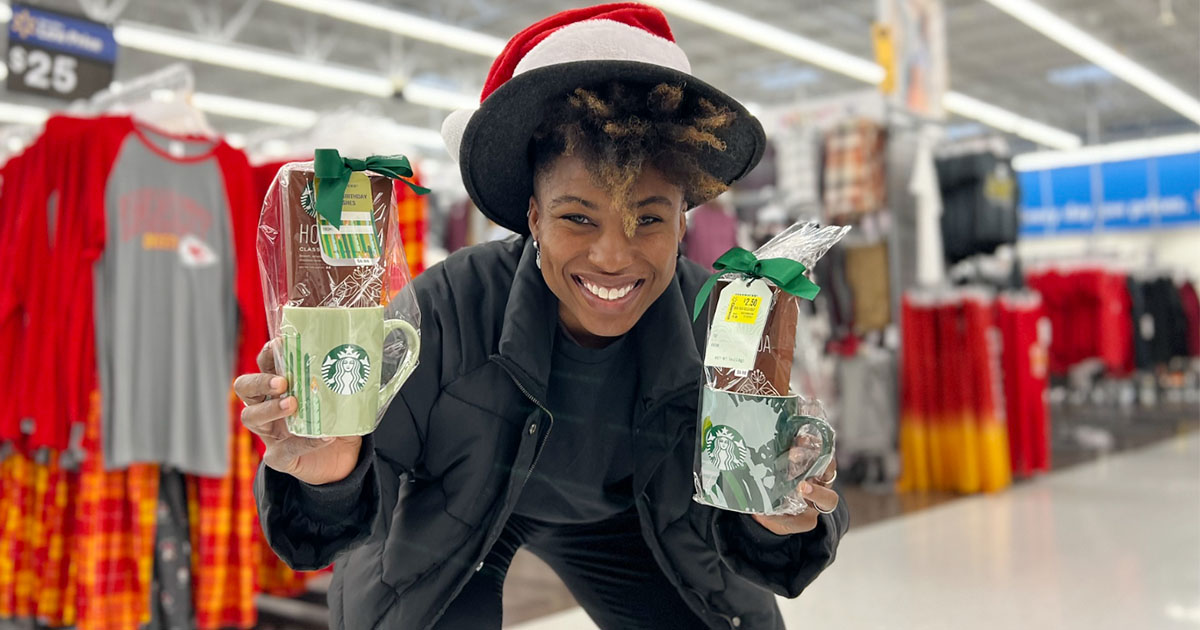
824	499
266	356
265	418
828	475
255	388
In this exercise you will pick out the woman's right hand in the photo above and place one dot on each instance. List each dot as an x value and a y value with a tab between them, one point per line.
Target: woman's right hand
314	461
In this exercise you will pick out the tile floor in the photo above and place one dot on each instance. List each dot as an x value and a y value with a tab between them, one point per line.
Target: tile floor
1114	543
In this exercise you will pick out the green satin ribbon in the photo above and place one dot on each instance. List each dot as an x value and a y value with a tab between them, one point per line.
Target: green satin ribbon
787	274
333	171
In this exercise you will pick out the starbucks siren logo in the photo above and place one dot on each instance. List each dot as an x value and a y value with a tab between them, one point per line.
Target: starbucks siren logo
346	369
725	448
308	200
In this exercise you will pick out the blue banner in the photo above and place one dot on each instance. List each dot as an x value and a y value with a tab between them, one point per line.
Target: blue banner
62	33
1147	193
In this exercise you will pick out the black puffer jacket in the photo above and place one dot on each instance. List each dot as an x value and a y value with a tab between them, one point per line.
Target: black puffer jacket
452	454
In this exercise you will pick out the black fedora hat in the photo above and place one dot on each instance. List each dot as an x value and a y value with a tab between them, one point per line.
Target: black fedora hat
628	42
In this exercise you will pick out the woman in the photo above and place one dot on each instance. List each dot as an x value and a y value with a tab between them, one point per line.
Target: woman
555	403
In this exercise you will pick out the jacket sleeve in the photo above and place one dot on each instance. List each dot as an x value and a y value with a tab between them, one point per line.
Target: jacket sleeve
309	526
306	525
783	564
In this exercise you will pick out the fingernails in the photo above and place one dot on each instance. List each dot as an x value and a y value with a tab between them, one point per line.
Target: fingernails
278	384
806	487
327	440
288	403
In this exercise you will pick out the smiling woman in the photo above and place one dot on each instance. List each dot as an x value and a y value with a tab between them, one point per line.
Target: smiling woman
554	406
615	168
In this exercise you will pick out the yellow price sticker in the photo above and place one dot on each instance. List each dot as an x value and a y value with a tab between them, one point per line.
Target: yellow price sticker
743	309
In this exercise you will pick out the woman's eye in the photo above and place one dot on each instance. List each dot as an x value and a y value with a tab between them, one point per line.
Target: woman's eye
648	220
578	219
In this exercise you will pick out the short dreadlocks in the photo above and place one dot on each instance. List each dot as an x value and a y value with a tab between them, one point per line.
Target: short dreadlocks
620	128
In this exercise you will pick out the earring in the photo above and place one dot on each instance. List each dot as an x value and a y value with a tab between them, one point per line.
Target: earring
537	249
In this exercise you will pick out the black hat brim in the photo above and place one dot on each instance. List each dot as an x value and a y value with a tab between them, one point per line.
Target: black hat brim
494	152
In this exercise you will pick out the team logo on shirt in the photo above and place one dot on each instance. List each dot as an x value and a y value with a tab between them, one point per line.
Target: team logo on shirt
725	448
346	369
195	252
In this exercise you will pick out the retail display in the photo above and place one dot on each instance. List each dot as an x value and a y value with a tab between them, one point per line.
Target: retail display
979	199
854	180
336	286
986	311
1129	321
952	431
1025	332
756	437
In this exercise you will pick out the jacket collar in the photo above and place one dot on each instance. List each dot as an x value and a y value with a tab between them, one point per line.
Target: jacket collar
664	340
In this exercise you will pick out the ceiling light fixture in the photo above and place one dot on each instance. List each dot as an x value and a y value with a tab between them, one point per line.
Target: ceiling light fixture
441	98
1004	120
1112	152
184	46
770	36
401	23
23	114
1081	43
818	54
234	107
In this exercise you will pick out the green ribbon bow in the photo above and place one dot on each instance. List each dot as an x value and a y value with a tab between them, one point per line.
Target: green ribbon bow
787	274
333	171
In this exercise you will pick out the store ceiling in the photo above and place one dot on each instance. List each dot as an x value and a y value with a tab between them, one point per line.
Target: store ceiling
992	56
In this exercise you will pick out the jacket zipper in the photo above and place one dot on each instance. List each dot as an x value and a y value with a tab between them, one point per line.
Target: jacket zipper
505	510
695	593
538	454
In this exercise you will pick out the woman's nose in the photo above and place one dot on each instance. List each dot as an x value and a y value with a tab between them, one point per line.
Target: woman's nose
613	250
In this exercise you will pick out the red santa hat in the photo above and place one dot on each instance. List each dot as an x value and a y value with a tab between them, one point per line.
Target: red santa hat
576	48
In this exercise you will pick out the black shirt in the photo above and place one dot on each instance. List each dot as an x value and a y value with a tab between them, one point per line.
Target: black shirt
585	470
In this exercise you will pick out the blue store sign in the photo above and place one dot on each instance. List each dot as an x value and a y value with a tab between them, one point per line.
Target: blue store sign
1146	193
58	55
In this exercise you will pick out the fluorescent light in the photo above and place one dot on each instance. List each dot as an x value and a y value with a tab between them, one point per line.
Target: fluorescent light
1075	39
5	13
23	114
424	136
234	107
440	98
773	37
1112	152
818	54
1004	120
400	23
185	46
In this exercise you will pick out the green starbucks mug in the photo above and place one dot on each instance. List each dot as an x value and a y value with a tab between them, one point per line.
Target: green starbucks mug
333	360
753	450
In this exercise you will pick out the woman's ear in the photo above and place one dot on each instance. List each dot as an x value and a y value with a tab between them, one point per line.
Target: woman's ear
534	215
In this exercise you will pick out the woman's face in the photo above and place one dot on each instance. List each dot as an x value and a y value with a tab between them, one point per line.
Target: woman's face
604	279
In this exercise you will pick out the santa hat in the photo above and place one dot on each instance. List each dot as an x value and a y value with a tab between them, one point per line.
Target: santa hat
576	48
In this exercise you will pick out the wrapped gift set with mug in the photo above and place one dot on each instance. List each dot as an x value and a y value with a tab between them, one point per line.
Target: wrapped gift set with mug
336	287
756	438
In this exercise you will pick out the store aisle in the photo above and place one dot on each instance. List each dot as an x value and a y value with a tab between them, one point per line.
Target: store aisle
1110	544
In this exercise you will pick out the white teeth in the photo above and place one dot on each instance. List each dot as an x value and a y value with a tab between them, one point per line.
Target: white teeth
605	293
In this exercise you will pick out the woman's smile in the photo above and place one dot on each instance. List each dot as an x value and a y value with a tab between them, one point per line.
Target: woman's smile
608	294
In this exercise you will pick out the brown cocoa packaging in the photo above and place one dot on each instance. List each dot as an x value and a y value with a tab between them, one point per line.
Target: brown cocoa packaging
772	371
314	279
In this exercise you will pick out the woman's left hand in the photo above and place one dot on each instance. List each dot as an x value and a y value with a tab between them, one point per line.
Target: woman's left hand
817	493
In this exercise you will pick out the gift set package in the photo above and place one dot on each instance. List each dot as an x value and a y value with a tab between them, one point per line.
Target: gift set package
757	439
336	285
